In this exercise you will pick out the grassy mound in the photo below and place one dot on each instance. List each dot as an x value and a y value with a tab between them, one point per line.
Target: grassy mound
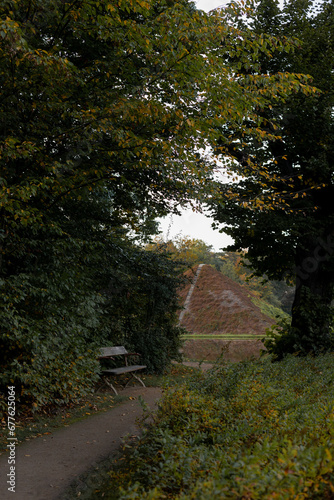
255	430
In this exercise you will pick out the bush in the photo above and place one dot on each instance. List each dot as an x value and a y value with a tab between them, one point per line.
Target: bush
47	338
55	316
253	430
143	305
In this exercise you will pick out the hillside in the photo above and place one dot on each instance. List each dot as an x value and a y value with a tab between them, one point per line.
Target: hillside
219	306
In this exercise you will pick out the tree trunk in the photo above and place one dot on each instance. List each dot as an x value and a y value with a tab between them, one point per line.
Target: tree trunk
311	310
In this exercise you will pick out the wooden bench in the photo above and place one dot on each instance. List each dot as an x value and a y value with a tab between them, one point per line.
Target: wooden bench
112	353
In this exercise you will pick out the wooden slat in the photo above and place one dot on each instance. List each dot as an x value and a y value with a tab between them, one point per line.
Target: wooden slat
124	369
112	351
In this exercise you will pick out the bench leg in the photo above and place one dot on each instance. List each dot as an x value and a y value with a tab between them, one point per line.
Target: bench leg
109	384
139	379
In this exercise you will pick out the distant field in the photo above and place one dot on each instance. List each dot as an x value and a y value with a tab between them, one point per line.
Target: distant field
226	336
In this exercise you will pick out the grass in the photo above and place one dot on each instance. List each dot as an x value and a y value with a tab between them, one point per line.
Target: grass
32	425
269	310
173	376
225	336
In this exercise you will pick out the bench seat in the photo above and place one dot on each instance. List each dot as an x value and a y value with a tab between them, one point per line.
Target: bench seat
112	353
124	369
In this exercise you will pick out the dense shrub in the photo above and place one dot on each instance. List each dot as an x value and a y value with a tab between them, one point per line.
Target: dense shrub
49	321
143	305
55	316
253	430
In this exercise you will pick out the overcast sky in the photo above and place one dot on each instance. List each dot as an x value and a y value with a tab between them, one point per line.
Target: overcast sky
208	5
189	223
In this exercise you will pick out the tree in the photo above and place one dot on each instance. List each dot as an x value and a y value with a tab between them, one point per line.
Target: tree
189	250
105	106
285	218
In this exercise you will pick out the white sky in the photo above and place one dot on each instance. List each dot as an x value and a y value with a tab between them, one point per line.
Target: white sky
196	226
208	5
189	223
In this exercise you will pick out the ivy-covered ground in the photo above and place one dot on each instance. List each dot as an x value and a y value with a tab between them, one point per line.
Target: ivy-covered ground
250	430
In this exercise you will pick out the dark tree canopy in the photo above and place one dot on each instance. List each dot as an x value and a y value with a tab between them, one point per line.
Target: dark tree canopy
286	219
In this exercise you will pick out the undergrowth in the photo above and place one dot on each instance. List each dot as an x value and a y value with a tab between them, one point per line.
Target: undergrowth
249	430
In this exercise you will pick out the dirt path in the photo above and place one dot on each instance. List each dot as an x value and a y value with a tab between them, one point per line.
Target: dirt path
46	466
188	298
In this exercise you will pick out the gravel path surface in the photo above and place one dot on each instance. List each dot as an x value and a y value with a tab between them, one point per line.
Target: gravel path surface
48	465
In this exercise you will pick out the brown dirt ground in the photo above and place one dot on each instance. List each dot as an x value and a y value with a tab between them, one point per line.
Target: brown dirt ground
47	466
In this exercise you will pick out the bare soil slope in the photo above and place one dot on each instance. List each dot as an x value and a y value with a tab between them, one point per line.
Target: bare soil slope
219	305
